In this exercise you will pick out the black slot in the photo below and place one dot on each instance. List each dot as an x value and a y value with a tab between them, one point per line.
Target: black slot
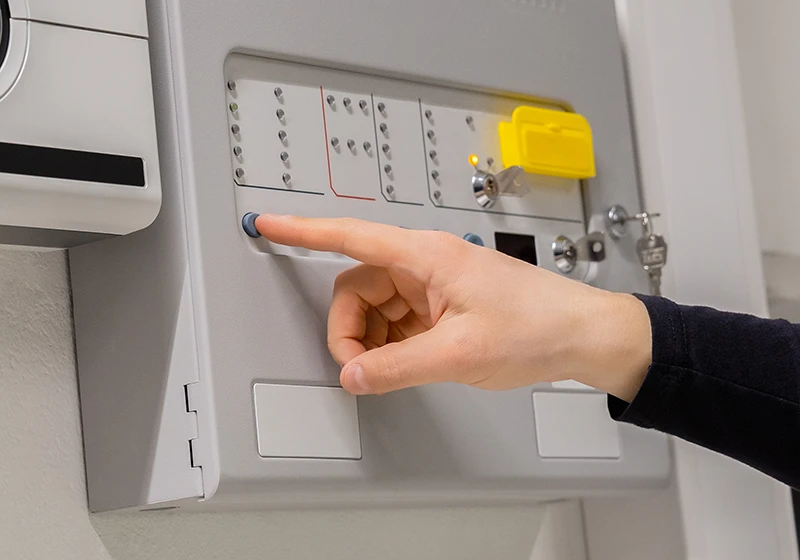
56	163
522	247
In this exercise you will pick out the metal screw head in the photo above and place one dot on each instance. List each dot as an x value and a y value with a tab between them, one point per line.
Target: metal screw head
382	108
435	175
234	107
390	189
284	156
384	128
335	142
346	102
429	114
280	113
232	85
331	100
386	148
433	154
235	129
437	195
431	135
282	135
237	151
367	147
387	169
286	178
278	92
239	172
351	144
363	105
470	120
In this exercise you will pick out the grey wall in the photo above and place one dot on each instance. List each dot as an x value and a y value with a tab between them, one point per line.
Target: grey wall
42	495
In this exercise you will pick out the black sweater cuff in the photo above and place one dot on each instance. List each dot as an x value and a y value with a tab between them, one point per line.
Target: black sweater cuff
659	388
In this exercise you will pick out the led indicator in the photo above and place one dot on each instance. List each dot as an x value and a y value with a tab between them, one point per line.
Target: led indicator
473	160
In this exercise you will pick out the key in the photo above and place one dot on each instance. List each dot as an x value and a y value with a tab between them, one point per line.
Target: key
652	251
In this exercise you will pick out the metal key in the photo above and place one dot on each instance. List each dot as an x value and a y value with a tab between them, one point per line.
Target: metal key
652	251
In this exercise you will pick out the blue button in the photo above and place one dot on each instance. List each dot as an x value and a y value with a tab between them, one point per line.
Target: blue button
474	239
249	224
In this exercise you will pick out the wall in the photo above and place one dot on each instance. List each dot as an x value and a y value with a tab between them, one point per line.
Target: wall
44	516
769	54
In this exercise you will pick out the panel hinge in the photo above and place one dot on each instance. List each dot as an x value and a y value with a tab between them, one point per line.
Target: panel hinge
193	429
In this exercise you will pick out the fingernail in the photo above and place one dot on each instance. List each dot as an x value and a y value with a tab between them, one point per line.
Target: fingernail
357	380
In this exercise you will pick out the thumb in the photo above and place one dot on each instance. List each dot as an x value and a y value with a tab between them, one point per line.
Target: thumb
422	359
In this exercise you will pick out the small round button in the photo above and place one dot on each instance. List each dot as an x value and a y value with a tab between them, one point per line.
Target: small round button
474	239
249	224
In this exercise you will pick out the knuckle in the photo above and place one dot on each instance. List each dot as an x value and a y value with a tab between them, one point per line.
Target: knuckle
390	374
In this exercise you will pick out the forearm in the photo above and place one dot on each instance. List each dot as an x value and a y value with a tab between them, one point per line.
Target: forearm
725	381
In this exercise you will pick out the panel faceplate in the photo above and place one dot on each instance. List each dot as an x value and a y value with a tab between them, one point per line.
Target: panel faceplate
295	128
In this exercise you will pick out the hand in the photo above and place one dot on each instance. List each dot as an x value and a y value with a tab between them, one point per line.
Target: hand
428	307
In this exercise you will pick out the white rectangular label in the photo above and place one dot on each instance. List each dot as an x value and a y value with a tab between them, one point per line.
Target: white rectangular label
306	422
574	426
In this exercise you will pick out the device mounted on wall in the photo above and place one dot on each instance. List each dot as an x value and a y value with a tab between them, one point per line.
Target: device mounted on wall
77	164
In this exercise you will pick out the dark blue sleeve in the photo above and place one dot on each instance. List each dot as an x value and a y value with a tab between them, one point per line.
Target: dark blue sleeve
725	381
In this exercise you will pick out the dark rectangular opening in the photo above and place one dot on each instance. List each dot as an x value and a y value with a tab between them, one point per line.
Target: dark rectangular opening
57	163
522	247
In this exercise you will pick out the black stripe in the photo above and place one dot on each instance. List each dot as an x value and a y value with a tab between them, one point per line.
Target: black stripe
56	163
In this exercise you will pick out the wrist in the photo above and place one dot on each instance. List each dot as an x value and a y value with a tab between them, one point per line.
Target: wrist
617	349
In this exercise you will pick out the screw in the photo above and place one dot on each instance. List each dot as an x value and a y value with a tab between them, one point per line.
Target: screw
234	107
384	128
286	178
278	92
331	100
351	144
232	85
435	175
389	190
363	105
429	115
346	102
240	172
335	142
437	195
237	151
235	129
367	147
431	135
433	154
387	169
284	156
280	113
282	135
470	121
386	148
382	108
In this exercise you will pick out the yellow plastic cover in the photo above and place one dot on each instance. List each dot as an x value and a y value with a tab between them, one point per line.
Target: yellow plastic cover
548	142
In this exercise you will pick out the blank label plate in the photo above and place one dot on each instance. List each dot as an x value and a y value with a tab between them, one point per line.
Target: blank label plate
306	422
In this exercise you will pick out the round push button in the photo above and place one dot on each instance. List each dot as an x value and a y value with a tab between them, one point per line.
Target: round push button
474	239
249	224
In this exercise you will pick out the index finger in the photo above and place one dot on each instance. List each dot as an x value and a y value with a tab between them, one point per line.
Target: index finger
371	243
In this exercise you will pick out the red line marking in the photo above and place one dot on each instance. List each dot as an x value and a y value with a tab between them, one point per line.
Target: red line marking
328	153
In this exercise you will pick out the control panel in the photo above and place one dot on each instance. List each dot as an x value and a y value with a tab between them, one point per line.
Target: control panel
225	395
318	142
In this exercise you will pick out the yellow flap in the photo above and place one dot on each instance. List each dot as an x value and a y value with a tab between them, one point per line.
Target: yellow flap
548	142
